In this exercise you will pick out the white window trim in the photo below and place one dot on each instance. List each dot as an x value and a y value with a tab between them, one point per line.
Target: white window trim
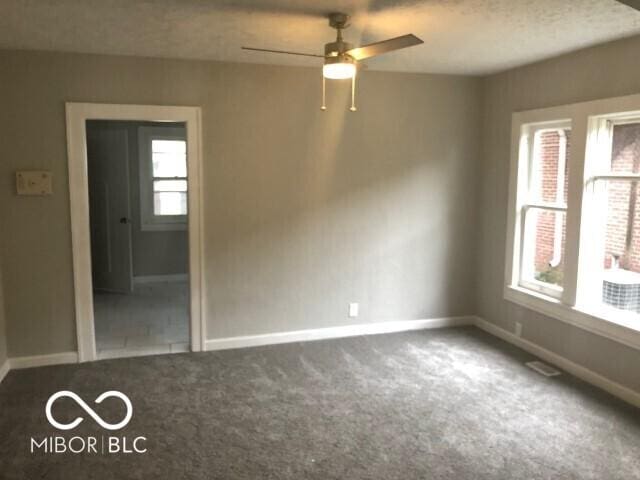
149	221
585	119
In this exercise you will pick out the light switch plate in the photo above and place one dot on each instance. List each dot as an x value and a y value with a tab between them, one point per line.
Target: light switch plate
34	182
353	310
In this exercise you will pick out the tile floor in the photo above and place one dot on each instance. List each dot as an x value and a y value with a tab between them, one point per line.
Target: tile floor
153	319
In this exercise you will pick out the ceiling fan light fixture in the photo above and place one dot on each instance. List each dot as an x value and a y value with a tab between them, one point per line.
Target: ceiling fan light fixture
339	68
341	58
339	71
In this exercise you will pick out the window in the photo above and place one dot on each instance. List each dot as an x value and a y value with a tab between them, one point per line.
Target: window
543	213
573	246
169	170
611	284
163	178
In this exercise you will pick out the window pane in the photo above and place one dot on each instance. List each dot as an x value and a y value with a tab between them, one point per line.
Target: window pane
625	152
169	146
169	185
169	158
544	241
621	259
170	203
550	167
169	164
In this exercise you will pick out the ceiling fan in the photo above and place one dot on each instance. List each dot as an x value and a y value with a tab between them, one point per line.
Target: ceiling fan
341	58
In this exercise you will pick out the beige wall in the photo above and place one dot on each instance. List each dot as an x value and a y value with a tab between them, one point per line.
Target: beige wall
304	211
606	71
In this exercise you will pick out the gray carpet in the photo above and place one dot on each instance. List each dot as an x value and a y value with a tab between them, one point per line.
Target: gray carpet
441	404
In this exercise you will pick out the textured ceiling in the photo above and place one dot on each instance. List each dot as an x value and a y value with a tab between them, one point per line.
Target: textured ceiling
461	36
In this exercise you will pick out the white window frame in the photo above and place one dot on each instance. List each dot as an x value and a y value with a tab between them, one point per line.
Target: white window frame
588	121
148	220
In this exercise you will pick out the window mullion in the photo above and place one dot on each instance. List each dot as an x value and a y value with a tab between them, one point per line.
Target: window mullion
574	210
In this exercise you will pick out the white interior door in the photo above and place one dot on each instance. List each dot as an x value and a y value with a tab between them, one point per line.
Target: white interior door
110	209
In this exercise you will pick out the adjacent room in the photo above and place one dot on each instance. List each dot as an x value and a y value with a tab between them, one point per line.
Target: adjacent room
320	240
137	174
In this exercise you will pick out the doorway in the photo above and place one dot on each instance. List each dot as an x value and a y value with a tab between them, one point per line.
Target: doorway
138	215
134	175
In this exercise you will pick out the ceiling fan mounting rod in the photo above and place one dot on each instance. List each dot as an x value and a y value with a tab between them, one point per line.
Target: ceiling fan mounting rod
339	47
338	20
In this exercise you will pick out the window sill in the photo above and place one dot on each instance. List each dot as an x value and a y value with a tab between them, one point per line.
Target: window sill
602	323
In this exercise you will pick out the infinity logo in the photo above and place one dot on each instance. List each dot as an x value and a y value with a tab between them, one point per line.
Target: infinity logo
89	410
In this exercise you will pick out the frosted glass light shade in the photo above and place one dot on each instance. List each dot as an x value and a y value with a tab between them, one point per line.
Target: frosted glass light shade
338	71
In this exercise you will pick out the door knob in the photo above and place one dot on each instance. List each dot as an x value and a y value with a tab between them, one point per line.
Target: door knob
125	220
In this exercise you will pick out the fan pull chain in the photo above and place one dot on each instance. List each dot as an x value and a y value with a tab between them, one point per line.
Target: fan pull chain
353	92
323	107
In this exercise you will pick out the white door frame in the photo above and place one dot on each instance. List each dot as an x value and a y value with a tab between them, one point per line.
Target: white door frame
77	116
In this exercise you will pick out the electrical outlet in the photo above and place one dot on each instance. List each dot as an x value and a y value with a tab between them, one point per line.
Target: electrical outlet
353	310
518	329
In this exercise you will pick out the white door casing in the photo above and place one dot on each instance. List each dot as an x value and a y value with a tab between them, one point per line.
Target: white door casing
77	115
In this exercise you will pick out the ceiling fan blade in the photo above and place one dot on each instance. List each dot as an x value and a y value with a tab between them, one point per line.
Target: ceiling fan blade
268	50
378	48
632	3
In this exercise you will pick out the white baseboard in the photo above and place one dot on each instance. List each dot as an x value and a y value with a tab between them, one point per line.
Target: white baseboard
43	360
335	332
4	369
589	376
179	277
624	393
